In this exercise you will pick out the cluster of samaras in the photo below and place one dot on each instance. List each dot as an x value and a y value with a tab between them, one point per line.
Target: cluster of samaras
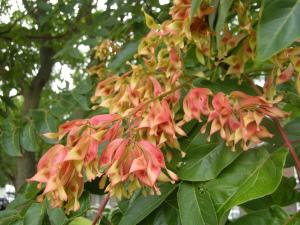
126	148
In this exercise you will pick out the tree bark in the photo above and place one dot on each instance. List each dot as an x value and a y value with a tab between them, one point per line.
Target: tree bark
26	163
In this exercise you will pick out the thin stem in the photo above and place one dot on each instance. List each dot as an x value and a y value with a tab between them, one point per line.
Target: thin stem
288	144
163	95
101	209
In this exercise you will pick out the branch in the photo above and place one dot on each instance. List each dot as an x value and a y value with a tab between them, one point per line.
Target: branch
13	24
101	209
48	36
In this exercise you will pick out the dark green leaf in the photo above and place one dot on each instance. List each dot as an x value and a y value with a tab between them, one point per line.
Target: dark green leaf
10	138
29	190
75	53
278	27
227	86
35	214
57	216
9	216
21	202
123	55
43	5
205	161
82	100
19	222
85	86
195	205
29	137
44	121
285	194
9	102
116	217
274	215
223	9
254	174
3	113
148	204
213	16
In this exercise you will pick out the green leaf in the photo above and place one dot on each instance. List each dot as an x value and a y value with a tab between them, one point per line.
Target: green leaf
3	113
205	161
195	6
10	139
227	86
274	215
85	86
213	16
116	216
82	100
148	204
43	6
57	216
278	27
8	216
80	221
8	101
167	215
35	214
44	121
195	205
19	222
20	202
29	138
123	55
254	174
29	190
75	53
223	9
285	194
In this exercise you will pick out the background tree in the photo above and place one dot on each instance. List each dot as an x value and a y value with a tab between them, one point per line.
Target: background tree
37	36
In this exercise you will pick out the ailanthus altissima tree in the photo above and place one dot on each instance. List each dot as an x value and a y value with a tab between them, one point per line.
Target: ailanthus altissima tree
187	125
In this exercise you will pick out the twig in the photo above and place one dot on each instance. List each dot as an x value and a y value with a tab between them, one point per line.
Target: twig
163	95
100	209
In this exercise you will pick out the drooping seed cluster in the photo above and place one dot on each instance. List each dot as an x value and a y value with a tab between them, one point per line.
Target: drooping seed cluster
125	147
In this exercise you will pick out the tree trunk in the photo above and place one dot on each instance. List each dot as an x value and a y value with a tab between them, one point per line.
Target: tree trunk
26	163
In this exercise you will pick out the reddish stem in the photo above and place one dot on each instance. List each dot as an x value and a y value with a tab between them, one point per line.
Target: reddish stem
101	208
288	144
